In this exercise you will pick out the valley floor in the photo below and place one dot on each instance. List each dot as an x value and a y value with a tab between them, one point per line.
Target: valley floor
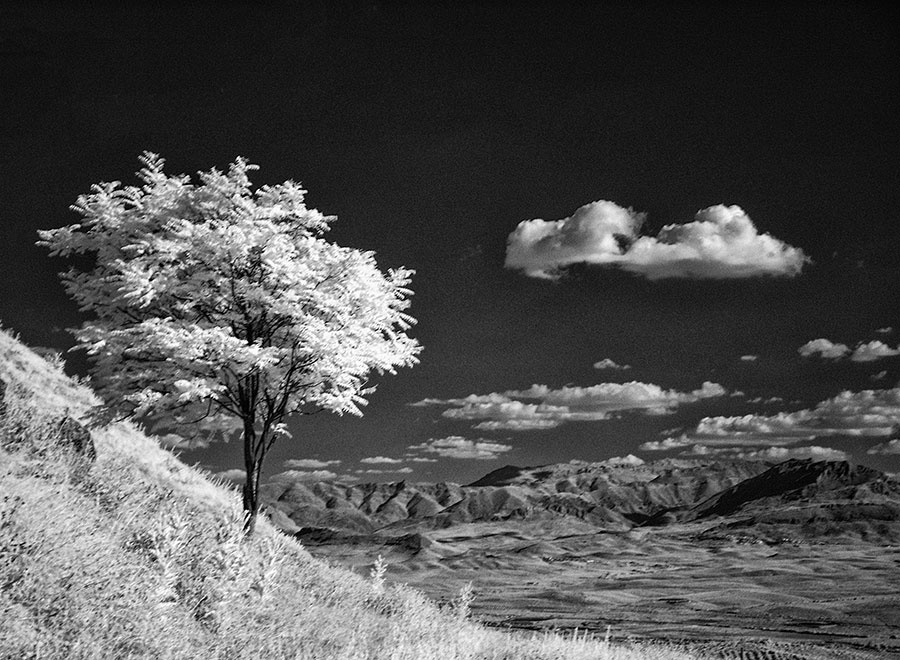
723	595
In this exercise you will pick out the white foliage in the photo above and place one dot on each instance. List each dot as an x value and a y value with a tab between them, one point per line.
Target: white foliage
216	302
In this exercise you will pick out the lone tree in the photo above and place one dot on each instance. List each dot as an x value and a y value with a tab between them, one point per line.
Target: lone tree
220	309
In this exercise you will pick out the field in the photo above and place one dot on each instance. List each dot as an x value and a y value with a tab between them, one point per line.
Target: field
724	595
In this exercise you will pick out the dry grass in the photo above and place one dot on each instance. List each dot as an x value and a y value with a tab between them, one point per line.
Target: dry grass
140	556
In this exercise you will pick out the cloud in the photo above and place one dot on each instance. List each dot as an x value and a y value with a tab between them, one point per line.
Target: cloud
541	407
533	424
302	475
307	464
456	446
864	352
881	375
868	413
721	242
403	470
630	459
374	460
874	350
885	331
235	476
516	415
665	445
770	453
606	363
824	348
889	447
749	358
173	441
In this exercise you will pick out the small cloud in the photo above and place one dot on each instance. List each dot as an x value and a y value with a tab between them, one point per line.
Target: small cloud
667	444
749	358
235	476
630	459
770	453
173	441
770	400
885	331
824	348
456	446
889	447
403	470
420	459
874	350
607	363
50	354
721	242
303	475
518	425
374	460
881	375
308	464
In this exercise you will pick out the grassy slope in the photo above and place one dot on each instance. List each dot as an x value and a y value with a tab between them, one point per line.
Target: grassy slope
138	555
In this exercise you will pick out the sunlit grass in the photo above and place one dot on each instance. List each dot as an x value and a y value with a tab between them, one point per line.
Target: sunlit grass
140	556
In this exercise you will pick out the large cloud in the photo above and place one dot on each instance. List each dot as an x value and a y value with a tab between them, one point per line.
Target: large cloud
864	352
868	413
889	447
824	348
456	446
540	407
721	242
874	350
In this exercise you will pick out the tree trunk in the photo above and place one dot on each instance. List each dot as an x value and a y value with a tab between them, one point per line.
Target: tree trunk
253	466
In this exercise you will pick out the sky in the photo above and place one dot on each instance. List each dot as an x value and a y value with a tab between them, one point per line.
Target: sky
654	229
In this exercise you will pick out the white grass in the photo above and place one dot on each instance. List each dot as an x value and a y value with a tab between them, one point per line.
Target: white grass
141	556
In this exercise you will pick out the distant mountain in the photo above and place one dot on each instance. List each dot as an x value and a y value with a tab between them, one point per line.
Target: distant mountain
803	554
802	499
608	496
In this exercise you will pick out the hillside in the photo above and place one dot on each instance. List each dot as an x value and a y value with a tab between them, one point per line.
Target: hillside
112	548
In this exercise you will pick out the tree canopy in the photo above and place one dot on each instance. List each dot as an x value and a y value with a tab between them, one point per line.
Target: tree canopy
218	308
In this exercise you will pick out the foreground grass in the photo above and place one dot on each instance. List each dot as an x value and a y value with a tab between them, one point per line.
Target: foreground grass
140	556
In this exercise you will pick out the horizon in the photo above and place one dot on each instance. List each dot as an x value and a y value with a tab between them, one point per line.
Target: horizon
529	163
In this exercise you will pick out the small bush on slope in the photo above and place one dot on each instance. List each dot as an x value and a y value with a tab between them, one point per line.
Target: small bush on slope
141	557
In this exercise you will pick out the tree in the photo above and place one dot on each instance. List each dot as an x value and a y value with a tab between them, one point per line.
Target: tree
219	309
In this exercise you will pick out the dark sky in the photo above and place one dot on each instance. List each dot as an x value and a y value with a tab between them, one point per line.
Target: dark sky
433	130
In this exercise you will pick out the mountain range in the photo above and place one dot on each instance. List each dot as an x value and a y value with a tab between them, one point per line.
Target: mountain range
739	559
813	498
